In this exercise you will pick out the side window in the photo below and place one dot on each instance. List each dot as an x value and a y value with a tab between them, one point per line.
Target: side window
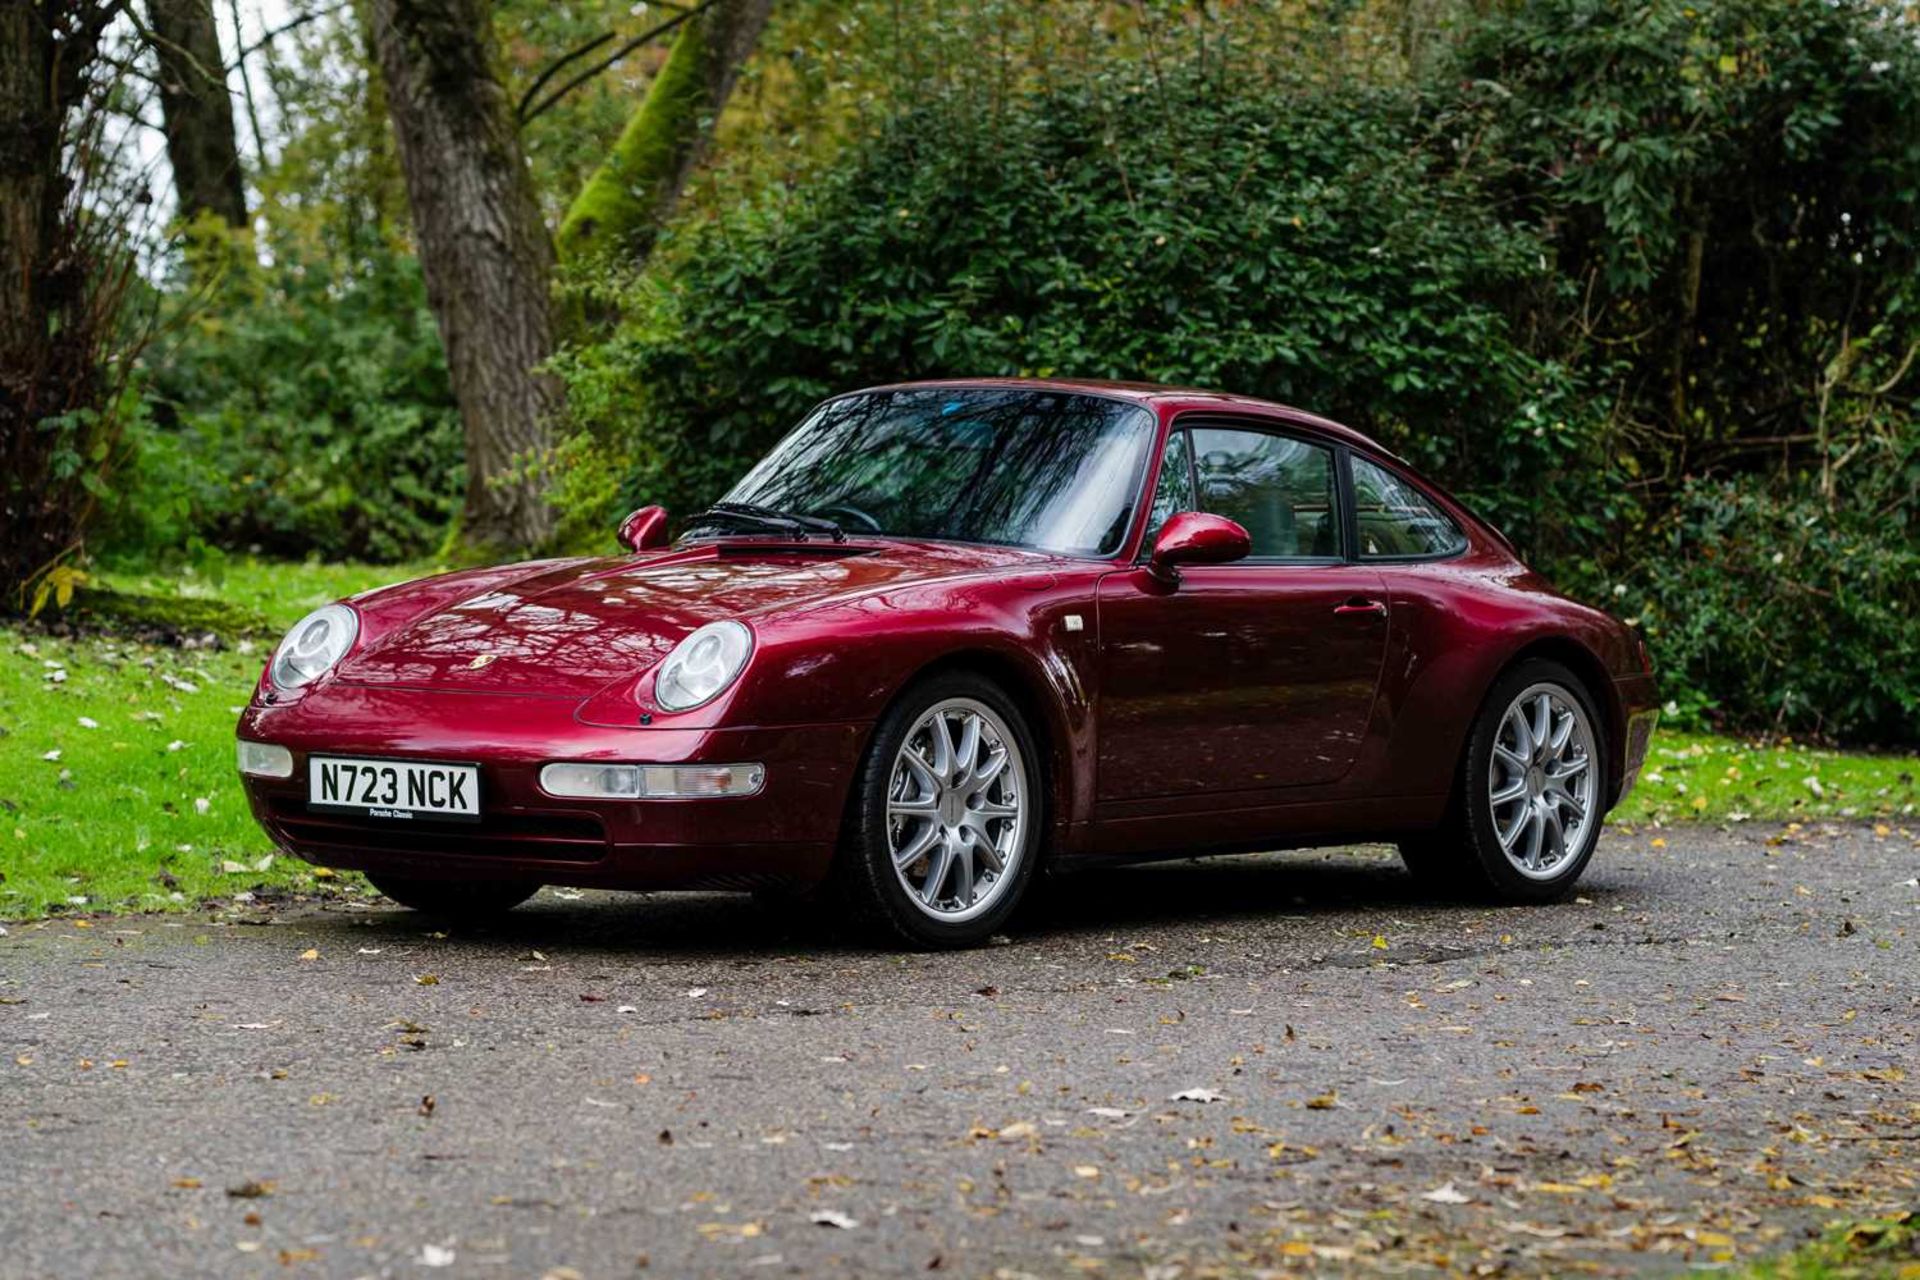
1396	519
1282	490
1174	493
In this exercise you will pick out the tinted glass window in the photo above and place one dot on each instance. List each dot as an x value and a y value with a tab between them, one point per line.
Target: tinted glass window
1041	469
1396	519
1174	493
1282	490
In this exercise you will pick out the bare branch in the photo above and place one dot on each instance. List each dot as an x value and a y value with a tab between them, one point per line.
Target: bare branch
653	33
269	37
553	68
157	41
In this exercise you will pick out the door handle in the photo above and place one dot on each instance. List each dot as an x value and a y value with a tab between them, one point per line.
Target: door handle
1360	604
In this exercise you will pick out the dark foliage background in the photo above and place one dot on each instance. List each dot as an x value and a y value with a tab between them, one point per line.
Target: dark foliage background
1637	282
301	408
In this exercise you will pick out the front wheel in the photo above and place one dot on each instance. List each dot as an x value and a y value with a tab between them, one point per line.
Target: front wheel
1527	805
947	816
463	901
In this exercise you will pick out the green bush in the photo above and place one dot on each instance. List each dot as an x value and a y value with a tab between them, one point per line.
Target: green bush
1766	608
1736	187
1312	246
297	410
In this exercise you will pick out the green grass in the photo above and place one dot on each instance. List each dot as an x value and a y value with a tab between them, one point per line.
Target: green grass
141	807
1691	776
280	591
1878	1249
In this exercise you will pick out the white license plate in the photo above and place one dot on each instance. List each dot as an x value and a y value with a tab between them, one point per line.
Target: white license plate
402	789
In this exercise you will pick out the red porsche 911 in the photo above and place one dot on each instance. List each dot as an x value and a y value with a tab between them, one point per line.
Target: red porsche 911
947	633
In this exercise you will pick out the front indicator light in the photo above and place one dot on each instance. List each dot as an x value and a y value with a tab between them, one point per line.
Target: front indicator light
651	781
691	780
265	760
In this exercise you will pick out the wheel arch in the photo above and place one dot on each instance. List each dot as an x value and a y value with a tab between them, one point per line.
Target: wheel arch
1037	699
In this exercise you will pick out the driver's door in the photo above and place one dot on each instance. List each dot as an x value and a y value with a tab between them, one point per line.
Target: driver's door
1253	677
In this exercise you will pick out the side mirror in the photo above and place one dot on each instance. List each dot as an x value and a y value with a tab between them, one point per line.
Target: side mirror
645	529
1194	537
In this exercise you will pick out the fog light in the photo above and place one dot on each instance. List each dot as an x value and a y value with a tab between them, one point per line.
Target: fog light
650	781
265	760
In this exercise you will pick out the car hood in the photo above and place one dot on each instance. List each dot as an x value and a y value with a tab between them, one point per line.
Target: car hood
569	628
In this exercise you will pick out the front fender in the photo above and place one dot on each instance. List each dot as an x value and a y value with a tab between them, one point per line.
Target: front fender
848	663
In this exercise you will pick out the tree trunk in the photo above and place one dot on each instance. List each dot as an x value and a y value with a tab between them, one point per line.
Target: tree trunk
631	194
57	314
201	142
483	250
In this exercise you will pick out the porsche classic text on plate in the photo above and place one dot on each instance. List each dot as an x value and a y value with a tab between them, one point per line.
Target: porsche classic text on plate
394	789
945	635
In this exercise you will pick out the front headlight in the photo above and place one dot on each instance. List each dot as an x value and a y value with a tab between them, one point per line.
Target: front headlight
701	667
315	644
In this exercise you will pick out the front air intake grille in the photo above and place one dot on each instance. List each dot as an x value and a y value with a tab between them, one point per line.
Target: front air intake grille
569	837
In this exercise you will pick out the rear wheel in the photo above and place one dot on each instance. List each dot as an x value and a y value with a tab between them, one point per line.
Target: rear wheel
1529	796
454	899
946	818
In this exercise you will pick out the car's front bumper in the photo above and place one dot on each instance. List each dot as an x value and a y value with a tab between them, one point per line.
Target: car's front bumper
785	833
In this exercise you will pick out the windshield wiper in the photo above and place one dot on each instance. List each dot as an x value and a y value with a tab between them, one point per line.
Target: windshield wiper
769	518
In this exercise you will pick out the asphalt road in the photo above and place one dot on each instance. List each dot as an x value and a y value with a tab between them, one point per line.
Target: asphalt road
1710	1053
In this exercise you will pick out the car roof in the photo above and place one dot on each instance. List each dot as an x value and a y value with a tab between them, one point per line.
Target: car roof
1167	400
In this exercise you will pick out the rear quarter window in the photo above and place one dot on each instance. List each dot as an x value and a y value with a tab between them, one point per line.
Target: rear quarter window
1396	521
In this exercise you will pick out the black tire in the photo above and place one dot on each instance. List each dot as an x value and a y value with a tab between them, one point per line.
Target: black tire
1464	856
456	900
863	879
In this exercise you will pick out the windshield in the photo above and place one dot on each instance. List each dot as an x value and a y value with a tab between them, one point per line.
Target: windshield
1020	467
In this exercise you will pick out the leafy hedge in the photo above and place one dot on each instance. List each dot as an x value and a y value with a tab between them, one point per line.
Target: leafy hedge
297	410
1293	246
1770	607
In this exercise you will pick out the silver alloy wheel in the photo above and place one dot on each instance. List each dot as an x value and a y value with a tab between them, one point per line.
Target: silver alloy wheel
1542	781
956	810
